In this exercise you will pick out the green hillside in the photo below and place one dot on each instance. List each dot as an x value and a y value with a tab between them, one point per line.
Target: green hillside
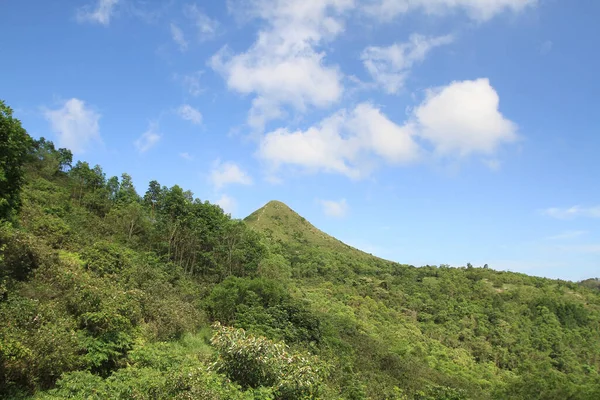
111	293
280	224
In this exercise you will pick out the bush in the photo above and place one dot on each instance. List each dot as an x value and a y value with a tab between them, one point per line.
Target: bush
253	362
106	258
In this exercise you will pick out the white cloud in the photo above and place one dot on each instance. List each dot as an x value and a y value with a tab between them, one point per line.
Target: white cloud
75	124
573	212
227	173
463	118
389	66
227	203
479	10
186	156
148	139
332	208
343	143
319	148
179	37
376	132
283	68
189	113
457	120
100	14
207	27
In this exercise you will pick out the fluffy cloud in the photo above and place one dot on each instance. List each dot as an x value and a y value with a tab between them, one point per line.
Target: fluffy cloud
148	139
227	173
376	133
100	14
179	37
337	209
341	143
389	66
189	113
207	27
319	148
283	68
573	212
479	10
75	124
457	120
227	203
463	118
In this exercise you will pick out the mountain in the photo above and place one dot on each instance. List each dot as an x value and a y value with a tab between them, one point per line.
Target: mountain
280	223
311	251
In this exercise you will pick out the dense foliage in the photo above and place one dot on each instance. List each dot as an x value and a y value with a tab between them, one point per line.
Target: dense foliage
108	294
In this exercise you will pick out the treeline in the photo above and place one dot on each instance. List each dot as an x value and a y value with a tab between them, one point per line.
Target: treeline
107	293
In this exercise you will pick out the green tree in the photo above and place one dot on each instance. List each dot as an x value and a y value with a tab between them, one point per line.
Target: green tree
15	145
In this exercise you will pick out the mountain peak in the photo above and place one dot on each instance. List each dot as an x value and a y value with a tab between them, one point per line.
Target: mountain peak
276	204
280	223
274	210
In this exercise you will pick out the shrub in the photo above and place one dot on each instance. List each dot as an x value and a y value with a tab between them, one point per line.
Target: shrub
253	362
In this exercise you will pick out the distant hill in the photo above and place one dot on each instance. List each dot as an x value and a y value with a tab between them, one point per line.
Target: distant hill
278	222
592	283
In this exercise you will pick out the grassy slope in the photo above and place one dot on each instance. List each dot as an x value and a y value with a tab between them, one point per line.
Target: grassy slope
280	223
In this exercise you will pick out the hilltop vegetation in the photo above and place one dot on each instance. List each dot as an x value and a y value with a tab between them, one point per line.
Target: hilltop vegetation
109	293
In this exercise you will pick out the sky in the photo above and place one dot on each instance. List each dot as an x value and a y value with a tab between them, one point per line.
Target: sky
422	131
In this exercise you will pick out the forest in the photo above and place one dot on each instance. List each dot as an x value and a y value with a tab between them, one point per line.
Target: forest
111	293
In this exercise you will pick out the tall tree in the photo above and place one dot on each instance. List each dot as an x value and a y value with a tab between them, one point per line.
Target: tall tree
15	145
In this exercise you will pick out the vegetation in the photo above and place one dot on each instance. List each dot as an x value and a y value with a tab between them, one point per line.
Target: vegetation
105	293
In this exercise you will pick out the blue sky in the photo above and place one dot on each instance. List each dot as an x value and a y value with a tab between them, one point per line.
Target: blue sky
423	131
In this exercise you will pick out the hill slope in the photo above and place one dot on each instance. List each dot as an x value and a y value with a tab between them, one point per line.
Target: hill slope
280	223
312	252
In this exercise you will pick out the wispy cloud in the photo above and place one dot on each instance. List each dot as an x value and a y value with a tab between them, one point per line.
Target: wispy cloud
189	113
227	203
572	212
179	37
148	139
186	156
101	13
227	173
191	82
389	66
75	124
332	208
206	26
567	235
492	163
581	248
478	10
